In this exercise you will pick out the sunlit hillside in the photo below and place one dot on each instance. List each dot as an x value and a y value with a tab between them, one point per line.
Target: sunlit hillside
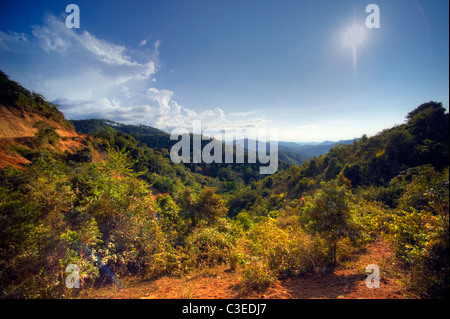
122	213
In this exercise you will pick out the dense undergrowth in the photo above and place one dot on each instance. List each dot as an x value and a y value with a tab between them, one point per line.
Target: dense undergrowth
103	218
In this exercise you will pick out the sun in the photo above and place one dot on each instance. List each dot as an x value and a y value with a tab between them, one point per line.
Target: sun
353	38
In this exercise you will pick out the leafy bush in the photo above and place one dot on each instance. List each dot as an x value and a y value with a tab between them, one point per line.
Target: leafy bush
206	206
420	231
169	217
372	217
257	276
422	240
208	246
83	155
267	251
46	134
79	249
164	184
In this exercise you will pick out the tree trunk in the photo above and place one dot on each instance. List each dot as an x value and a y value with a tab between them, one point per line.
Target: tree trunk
334	253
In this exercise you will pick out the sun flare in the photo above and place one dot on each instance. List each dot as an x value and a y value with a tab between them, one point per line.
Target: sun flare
354	38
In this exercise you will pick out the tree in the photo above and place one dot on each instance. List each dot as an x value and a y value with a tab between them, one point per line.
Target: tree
328	214
311	168
206	206
353	173
83	155
168	214
428	124
333	169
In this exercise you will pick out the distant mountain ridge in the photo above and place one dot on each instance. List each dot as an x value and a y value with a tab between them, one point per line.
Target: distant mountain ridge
306	151
295	153
152	137
290	152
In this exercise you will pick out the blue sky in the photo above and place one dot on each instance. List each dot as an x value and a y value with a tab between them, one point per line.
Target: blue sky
275	64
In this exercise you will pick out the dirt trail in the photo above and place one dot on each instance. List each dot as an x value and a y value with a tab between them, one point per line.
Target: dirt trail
347	282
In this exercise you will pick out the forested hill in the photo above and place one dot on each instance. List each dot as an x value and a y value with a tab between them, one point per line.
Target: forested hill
422	140
299	153
151	136
394	185
368	162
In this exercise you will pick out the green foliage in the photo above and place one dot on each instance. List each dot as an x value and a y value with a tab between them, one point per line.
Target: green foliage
267	251
208	246
207	206
328	213
257	276
228	175
421	239
244	219
371	218
17	224
54	215
427	190
244	199
83	155
170	218
333	169
152	137
46	134
376	160
164	184
420	232
79	249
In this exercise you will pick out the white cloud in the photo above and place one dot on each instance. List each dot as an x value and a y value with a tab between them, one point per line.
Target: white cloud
92	78
241	114
11	37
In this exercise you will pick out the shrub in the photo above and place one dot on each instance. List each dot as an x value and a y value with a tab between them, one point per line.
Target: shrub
83	155
373	219
164	184
422	240
207	246
169	261
420	232
257	275
79	249
267	251
169	217
46	134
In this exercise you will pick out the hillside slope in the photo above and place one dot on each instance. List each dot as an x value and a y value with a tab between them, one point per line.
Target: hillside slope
16	123
22	113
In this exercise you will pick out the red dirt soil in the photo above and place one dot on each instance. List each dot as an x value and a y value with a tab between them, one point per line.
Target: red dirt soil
346	282
16	128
